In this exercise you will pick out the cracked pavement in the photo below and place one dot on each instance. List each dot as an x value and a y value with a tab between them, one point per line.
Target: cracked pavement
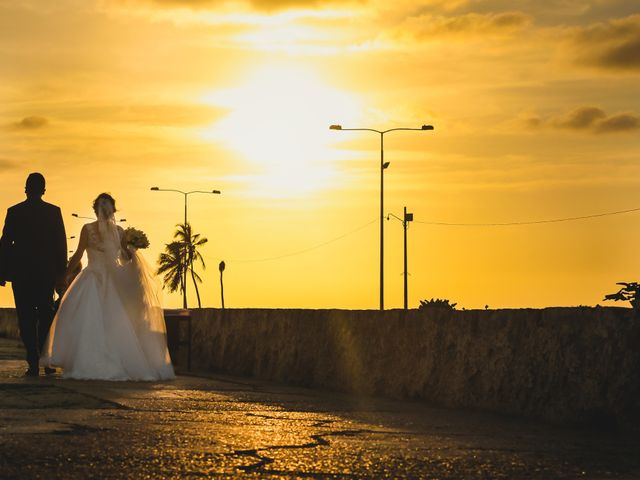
226	427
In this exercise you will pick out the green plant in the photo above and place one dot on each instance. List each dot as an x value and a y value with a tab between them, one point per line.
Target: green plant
437	303
630	292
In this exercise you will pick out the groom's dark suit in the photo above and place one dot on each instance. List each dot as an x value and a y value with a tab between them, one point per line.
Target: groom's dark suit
33	255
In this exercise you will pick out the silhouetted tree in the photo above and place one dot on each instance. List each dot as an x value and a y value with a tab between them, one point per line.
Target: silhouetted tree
629	292
221	268
179	259
172	266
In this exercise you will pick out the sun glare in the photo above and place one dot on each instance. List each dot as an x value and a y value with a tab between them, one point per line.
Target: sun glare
279	121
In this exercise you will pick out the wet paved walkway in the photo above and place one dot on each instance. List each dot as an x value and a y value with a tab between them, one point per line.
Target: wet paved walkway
224	427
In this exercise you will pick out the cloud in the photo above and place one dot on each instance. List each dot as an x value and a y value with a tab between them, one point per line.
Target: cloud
613	45
30	123
262	5
423	27
171	115
589	119
581	118
621	122
533	122
6	164
176	115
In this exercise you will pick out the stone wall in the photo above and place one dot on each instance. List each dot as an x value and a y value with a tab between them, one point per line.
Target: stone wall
571	365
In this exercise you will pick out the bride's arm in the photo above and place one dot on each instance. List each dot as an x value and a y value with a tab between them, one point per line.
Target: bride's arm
123	244
74	261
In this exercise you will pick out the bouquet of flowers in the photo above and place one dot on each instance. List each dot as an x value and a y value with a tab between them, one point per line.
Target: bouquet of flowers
136	238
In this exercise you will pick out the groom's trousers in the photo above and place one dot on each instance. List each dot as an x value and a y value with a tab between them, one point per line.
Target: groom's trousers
34	306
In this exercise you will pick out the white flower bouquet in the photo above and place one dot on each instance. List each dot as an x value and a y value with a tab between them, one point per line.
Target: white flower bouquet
136	238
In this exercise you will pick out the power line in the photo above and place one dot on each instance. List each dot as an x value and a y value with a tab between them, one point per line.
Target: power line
533	222
447	224
299	252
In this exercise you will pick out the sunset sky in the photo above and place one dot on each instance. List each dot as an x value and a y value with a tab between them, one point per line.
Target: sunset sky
535	104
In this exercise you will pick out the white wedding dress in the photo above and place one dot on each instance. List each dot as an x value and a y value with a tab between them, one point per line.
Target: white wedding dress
110	324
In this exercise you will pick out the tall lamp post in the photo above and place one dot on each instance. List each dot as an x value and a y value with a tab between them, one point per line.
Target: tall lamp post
383	166
408	217
186	195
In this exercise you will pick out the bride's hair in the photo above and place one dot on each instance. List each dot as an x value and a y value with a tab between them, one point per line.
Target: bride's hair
102	198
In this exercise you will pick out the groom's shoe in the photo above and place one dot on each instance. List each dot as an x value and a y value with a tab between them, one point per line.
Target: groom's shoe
32	372
49	371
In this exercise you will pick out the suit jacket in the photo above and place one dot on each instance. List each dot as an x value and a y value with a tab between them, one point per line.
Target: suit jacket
33	243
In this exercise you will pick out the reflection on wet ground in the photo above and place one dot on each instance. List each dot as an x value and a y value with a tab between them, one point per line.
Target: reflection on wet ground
196	427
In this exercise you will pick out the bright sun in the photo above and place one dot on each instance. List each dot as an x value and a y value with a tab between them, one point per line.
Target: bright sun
279	121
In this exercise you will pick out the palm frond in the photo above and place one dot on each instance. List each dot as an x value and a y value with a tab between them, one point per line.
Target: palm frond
196	276
179	258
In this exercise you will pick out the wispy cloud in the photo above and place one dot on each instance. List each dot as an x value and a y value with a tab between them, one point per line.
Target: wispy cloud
143	114
621	122
613	45
427	26
588	119
581	118
33	122
6	164
260	5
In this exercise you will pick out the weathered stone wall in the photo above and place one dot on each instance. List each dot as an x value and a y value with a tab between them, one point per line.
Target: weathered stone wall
561	364
571	365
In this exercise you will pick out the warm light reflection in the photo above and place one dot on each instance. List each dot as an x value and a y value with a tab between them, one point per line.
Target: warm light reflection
278	121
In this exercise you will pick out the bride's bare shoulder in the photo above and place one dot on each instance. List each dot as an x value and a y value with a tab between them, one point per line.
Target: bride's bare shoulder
91	229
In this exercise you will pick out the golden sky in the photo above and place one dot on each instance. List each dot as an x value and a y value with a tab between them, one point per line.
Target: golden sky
535	103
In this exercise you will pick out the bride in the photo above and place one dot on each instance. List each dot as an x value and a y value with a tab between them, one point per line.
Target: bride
110	324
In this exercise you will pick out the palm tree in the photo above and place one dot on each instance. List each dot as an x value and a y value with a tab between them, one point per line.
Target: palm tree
184	234
172	266
179	258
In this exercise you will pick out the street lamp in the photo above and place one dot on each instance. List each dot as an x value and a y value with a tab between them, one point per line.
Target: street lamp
186	195
92	218
383	166
408	217
71	238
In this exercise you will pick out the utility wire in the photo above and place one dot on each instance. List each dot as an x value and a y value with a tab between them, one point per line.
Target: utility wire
535	222
299	252
447	224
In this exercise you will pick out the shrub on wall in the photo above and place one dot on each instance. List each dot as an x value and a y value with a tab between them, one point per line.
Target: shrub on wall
437	303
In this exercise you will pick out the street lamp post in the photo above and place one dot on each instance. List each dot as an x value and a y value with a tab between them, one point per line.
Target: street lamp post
80	216
383	166
92	218
186	195
407	217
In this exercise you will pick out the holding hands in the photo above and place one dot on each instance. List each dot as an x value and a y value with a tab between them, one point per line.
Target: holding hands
69	275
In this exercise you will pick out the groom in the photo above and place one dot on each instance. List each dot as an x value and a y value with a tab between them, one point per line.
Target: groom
33	256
